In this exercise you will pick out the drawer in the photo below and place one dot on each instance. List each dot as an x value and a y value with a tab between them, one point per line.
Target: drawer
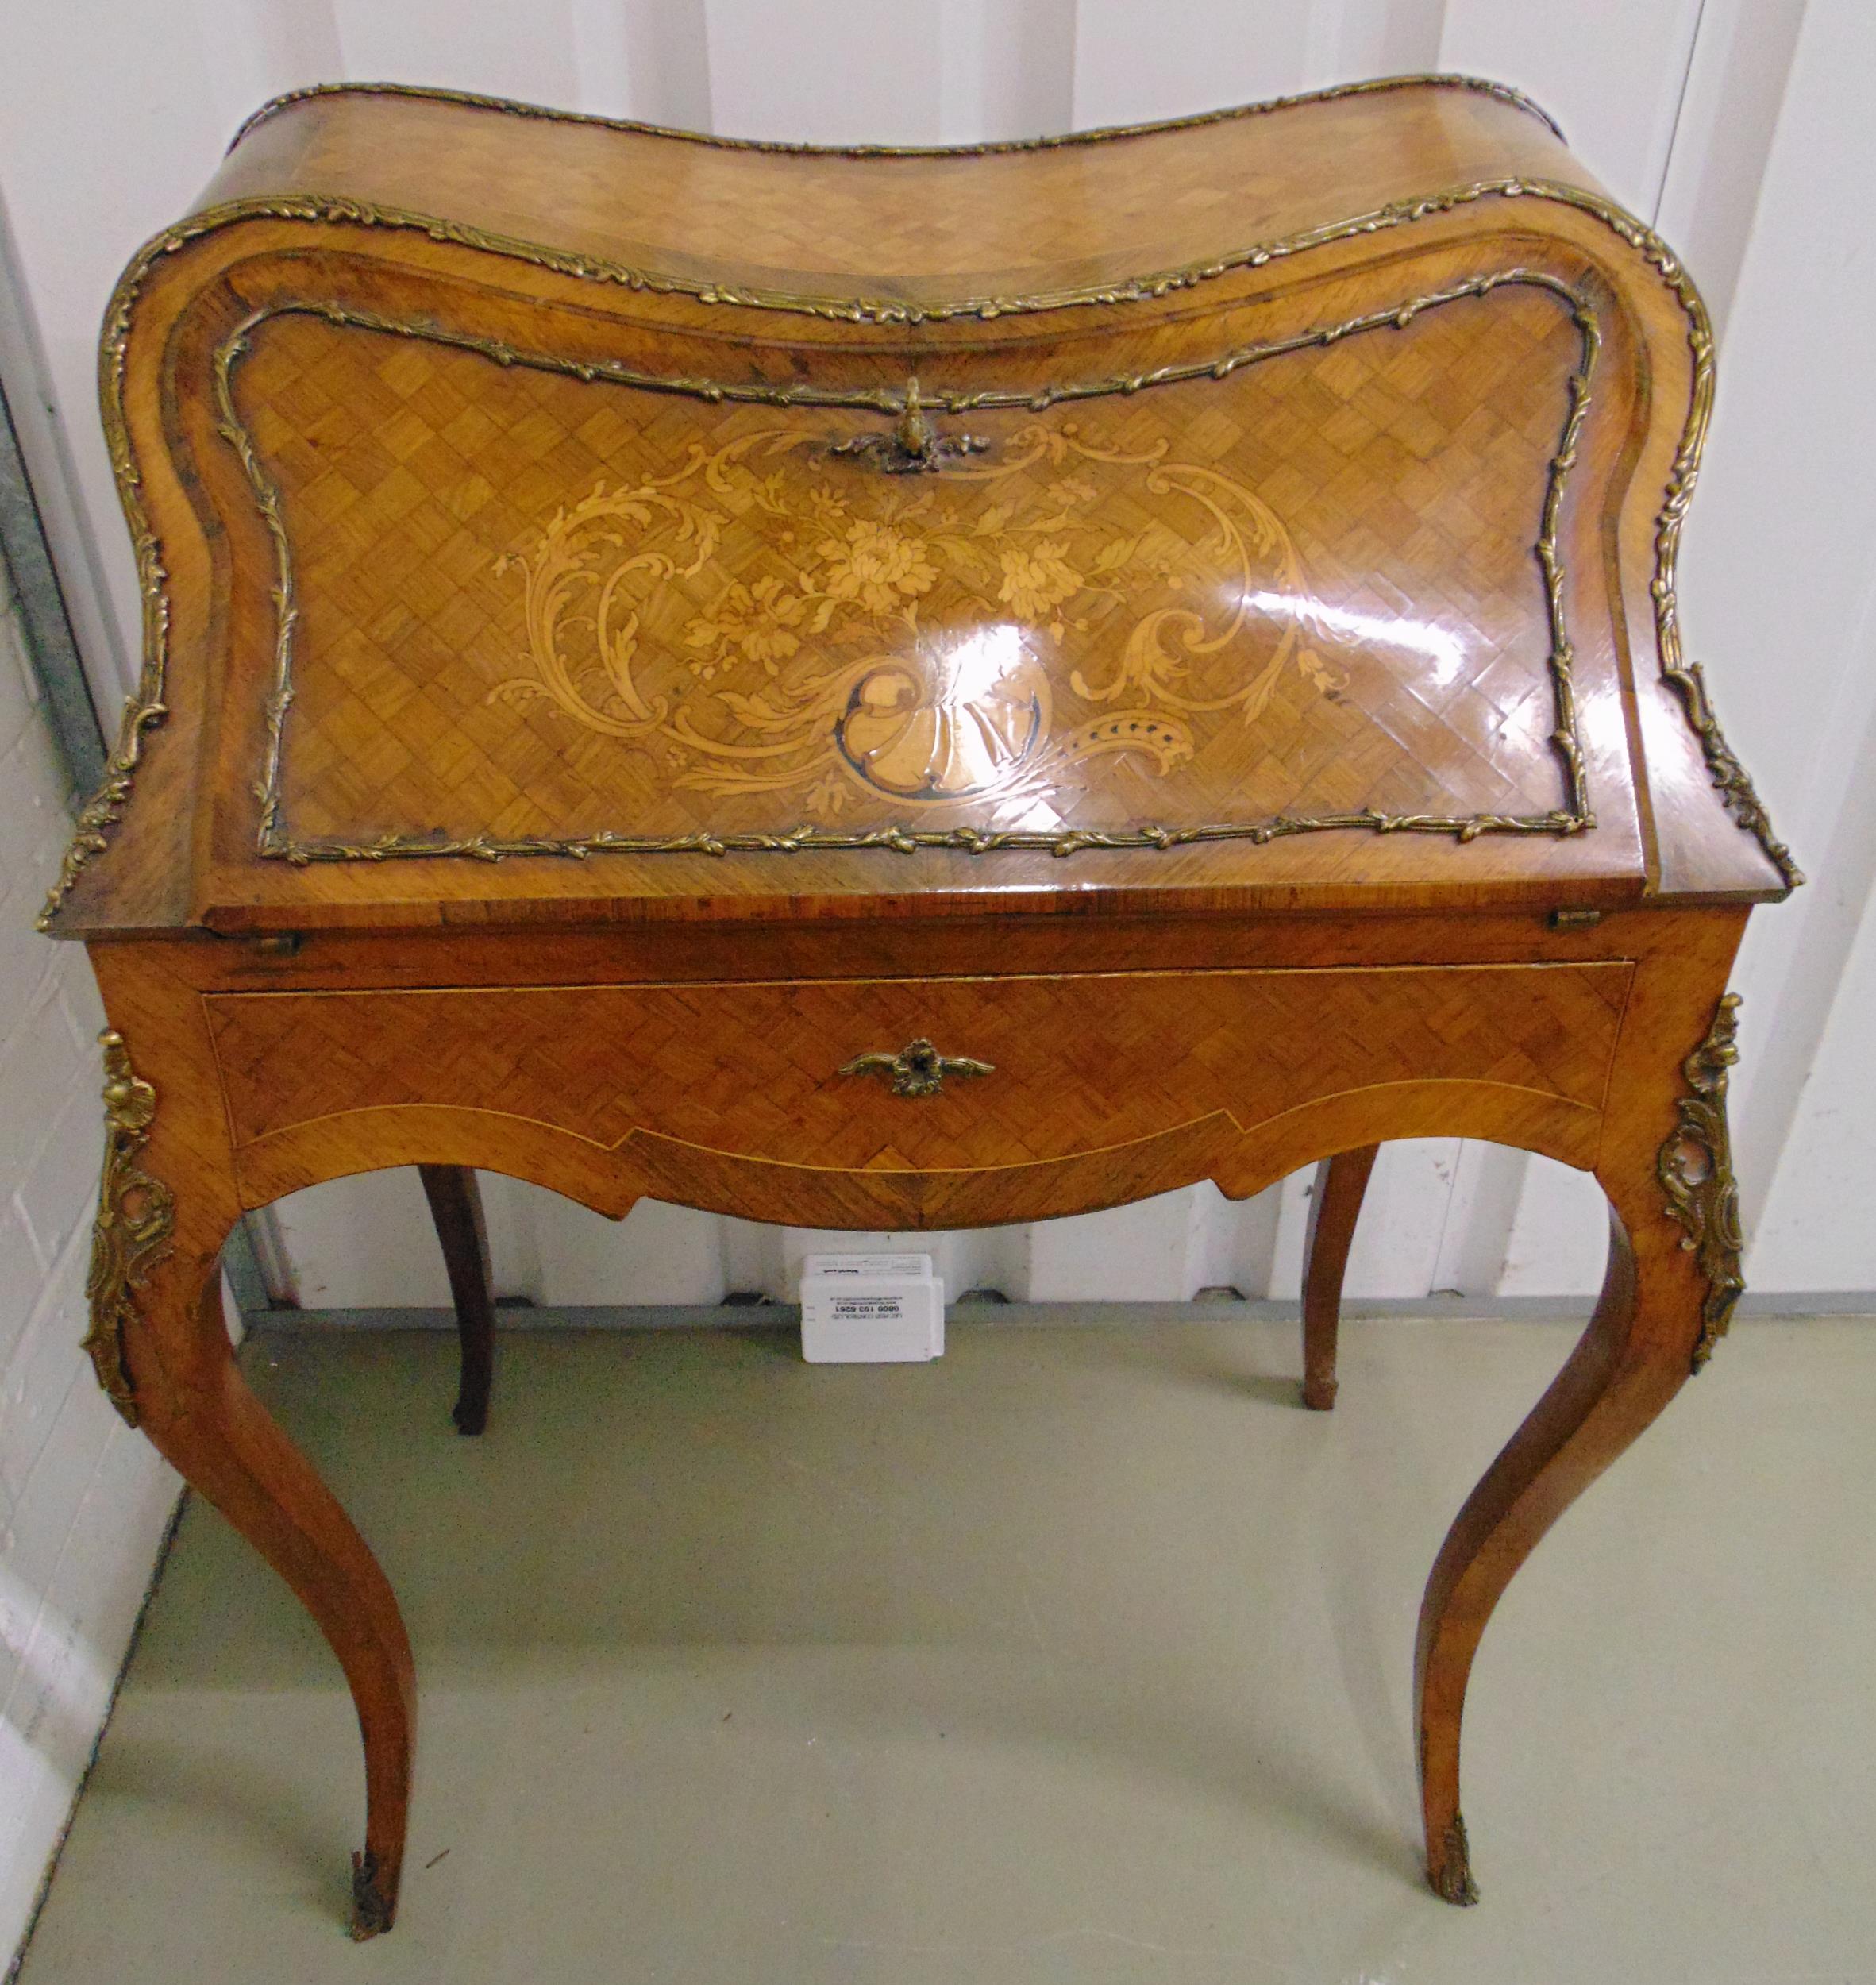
815	1072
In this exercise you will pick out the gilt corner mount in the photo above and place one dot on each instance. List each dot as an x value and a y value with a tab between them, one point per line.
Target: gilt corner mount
136	1220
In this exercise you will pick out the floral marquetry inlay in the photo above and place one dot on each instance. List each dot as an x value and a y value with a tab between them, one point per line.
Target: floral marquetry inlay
548	605
897	633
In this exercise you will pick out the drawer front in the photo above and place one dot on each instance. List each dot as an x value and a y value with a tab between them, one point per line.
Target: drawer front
768	1071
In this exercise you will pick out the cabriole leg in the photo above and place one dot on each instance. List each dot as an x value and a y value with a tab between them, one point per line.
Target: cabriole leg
1672	1279
1335	1205
161	1351
222	1440
456	1206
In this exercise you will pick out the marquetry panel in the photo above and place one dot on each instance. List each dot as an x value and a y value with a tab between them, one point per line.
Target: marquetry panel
1078	1064
526	604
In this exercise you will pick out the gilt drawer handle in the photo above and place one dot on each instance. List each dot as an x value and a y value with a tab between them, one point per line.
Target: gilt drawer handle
918	1070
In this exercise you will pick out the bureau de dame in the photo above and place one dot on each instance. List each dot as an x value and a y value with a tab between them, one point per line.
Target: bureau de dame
899	688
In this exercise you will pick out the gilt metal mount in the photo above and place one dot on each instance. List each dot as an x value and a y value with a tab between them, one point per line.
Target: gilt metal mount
1451	1879
372	1911
918	1069
136	1220
915	447
1695	1167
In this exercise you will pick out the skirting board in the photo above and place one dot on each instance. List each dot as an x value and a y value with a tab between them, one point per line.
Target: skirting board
514	1315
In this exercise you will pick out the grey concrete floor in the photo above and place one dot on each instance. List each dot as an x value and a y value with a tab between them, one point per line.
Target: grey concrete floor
1081	1656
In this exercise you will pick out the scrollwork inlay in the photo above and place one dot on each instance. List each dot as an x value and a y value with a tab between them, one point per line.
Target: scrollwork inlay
796	721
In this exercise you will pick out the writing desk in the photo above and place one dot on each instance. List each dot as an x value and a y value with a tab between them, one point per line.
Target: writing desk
897	690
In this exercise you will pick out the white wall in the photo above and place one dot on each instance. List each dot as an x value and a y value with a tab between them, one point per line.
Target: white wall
1683	107
1782	579
83	1499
